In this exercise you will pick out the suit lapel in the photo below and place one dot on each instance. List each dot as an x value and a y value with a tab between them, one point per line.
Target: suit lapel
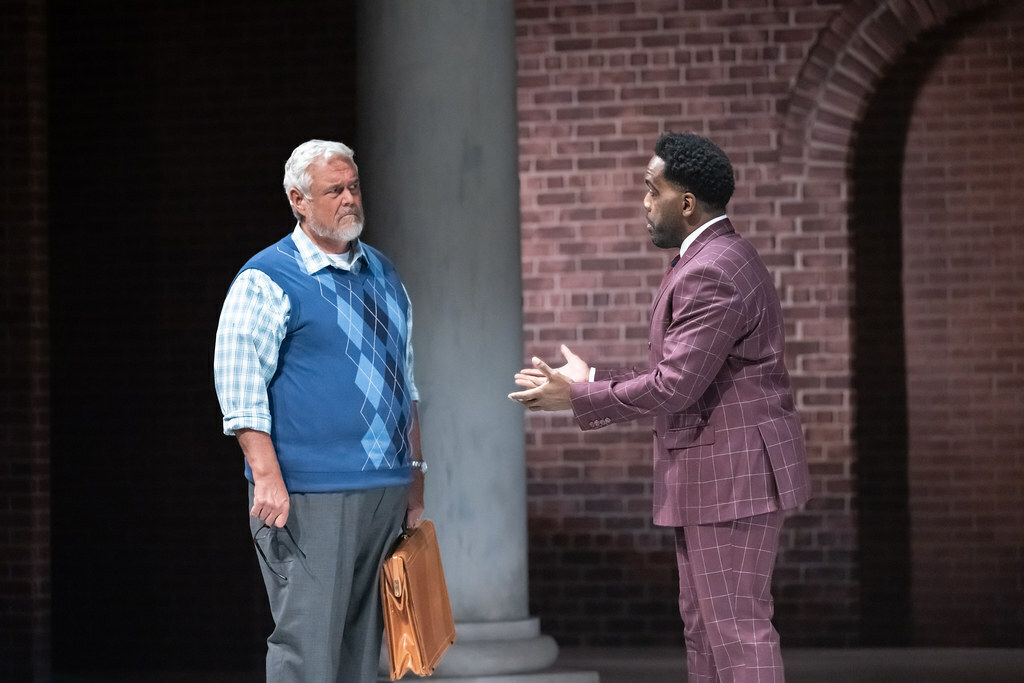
719	229
668	277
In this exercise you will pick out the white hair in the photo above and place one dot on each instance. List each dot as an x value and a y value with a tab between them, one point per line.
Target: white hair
296	169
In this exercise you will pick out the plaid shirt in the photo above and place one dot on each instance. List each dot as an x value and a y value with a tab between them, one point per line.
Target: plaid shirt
252	326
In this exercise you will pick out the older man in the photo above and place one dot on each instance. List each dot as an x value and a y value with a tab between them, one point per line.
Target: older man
728	447
314	372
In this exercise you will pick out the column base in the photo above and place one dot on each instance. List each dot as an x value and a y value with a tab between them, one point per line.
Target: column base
501	652
549	676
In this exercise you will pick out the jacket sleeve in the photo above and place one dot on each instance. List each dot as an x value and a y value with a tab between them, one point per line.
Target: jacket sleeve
706	321
617	374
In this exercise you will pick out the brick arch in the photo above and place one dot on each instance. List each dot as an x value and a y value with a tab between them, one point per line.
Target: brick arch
840	74
830	106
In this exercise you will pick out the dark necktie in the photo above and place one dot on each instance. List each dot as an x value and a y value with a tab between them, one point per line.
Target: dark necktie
668	275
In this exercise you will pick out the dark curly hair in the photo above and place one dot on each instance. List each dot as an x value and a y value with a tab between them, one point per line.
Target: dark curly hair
699	165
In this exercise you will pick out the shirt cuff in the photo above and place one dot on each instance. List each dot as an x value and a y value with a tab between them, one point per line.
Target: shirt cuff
593	373
259	423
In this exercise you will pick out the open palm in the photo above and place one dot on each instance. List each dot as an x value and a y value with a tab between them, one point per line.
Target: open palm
575	368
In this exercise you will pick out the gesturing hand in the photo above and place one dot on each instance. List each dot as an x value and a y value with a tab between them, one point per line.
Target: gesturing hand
550	387
575	368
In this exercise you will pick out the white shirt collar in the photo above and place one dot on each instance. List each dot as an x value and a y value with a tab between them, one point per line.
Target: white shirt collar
696	233
314	258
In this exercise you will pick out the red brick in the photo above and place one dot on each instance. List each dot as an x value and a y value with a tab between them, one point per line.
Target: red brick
792	201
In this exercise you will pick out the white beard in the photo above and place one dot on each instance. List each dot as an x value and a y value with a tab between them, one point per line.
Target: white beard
339	234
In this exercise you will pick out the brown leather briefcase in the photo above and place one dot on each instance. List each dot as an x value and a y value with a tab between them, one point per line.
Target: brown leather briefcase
418	623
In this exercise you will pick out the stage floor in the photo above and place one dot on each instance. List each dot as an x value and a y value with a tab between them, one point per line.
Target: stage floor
667	665
882	665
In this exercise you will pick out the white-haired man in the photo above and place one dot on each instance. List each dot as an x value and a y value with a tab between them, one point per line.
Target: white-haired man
314	373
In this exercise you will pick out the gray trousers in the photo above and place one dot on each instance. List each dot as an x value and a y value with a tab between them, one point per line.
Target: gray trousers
327	620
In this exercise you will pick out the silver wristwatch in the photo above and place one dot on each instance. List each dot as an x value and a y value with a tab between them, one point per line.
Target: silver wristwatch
420	465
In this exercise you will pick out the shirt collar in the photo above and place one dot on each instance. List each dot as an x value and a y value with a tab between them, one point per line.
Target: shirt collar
696	233
314	259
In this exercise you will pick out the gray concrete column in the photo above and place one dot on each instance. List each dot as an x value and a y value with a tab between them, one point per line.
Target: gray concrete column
437	155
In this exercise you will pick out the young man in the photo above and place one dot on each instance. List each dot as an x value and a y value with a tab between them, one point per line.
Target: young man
728	447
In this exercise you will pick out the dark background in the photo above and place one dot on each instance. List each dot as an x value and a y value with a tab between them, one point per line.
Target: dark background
169	126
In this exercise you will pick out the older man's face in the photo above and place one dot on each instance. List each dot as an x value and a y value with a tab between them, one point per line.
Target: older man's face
334	209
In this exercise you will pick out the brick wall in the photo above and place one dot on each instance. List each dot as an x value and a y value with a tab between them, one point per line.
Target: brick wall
598	81
784	88
963	216
24	416
167	126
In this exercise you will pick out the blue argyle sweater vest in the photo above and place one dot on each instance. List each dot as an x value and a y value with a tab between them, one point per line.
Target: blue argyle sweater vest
339	402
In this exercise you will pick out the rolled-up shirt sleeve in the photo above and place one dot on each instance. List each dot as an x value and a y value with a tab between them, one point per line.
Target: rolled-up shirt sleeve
252	326
410	378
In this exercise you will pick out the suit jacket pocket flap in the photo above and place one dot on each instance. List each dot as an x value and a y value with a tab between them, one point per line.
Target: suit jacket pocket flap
685	437
777	432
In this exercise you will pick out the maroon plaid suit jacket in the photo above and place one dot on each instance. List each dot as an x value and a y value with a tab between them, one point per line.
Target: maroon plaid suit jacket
727	439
